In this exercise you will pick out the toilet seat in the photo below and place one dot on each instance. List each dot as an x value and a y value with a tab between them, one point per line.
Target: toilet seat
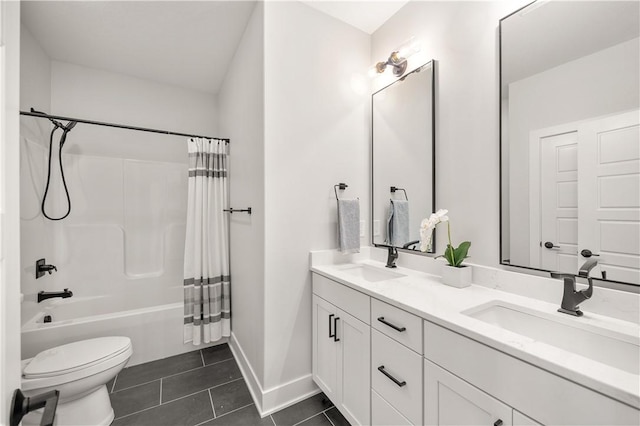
73	357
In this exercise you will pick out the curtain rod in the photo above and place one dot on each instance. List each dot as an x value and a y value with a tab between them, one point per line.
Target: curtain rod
34	113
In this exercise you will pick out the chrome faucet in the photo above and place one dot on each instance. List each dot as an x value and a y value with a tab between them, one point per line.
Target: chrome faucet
392	255
571	298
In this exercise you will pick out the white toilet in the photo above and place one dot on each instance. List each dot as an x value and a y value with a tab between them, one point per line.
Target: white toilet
80	371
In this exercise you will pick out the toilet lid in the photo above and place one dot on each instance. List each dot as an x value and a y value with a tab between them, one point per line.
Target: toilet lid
75	356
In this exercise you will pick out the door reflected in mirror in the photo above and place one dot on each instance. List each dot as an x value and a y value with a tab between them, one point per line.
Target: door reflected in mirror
403	191
570	137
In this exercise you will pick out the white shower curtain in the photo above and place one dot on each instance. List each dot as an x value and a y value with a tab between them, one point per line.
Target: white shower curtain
207	304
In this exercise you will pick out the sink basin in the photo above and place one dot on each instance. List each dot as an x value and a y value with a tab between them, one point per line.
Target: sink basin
608	347
372	274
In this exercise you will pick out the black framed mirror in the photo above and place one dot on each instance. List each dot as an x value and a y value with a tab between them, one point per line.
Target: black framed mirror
570	138
403	159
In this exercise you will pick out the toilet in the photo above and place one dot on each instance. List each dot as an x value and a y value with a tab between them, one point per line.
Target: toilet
80	371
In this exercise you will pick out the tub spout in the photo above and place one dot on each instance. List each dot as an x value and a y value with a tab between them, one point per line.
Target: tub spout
44	295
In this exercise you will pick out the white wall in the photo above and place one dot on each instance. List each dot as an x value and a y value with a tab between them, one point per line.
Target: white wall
595	85
94	94
241	99
316	135
462	38
9	201
36	236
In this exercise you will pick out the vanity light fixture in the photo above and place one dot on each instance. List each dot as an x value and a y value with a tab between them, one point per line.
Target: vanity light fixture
398	58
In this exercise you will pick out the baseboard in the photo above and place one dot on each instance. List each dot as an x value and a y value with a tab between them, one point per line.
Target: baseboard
276	398
282	396
247	372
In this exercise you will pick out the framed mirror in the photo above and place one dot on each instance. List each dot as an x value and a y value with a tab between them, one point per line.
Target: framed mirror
403	167
570	137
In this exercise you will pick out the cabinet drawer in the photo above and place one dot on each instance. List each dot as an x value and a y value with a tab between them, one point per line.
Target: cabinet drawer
383	414
401	386
400	325
345	298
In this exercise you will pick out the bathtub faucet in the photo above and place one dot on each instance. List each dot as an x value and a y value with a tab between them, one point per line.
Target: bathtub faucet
44	295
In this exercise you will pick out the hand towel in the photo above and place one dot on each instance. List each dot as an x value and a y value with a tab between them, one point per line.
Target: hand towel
349	225
398	223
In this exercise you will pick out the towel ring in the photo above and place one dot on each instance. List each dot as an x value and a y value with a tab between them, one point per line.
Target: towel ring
394	189
341	186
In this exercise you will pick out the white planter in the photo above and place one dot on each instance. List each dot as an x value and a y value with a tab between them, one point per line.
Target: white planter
456	277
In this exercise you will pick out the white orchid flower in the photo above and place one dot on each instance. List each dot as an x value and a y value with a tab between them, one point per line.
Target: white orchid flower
428	225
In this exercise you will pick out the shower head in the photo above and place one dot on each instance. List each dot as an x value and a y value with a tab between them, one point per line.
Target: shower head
66	129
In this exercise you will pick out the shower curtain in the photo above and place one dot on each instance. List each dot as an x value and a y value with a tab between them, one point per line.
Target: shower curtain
207	301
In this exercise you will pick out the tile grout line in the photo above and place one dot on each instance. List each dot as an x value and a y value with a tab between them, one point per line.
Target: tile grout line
233	411
202	358
182	397
206	421
308	418
172	375
113	386
211	401
325	414
272	421
160	391
136	412
202	390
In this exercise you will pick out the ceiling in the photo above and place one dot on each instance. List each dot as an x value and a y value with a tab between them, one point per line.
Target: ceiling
550	33
182	43
366	15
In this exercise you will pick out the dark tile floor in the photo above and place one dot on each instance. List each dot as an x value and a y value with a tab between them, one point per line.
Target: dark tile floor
203	387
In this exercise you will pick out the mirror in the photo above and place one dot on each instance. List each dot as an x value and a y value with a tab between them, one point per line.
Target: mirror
570	137
403	179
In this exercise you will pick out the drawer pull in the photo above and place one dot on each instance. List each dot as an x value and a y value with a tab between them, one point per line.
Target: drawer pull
497	422
335	329
395	327
396	381
334	333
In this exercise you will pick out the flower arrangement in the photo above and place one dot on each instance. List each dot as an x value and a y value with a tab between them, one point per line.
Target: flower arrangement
454	256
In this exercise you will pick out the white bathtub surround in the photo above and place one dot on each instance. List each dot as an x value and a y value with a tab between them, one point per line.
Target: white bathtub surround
154	331
613	312
206	259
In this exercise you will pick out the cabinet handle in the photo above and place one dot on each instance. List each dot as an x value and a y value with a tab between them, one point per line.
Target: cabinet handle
335	329
395	327
497	422
396	381
334	333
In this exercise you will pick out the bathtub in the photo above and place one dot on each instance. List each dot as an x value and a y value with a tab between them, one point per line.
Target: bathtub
155	332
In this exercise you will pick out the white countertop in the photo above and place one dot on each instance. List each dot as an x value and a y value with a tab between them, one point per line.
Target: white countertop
424	295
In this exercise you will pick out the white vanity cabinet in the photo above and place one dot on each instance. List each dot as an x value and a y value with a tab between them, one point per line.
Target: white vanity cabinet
449	400
467	382
396	365
341	347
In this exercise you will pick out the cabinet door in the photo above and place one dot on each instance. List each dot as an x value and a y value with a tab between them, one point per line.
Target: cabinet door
450	400
355	338
325	349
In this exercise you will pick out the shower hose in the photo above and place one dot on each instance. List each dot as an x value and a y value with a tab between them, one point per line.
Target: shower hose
64	182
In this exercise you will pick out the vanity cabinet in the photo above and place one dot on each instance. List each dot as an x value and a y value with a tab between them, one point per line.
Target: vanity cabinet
451	401
341	343
464	377
396	365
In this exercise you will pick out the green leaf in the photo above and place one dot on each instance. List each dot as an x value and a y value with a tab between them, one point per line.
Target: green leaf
449	255
461	253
